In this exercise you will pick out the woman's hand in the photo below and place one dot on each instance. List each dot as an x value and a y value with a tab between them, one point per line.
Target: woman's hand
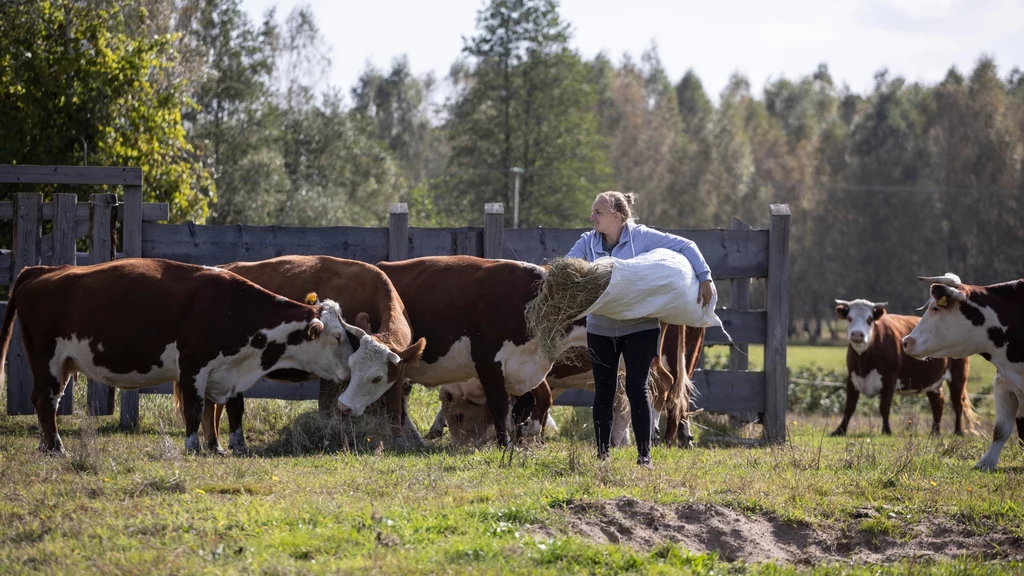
704	293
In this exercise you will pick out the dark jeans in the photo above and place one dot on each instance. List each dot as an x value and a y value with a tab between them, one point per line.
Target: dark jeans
637	350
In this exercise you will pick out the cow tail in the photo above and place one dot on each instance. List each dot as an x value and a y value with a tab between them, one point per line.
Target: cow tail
960	369
8	329
178	400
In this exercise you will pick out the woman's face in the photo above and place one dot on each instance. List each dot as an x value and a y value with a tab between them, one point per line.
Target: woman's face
605	221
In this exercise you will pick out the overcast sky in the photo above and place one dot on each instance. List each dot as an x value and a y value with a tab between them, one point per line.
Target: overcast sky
918	39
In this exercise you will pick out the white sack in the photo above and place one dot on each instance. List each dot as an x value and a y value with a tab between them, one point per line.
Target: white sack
657	284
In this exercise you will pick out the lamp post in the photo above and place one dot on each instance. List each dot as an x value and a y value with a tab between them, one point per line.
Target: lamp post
515	203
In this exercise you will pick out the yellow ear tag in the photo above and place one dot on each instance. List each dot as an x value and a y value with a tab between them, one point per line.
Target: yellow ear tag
311	298
942	302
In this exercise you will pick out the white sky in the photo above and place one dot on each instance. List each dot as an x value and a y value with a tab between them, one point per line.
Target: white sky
918	39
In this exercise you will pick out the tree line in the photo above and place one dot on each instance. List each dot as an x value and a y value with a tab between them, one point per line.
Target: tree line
234	121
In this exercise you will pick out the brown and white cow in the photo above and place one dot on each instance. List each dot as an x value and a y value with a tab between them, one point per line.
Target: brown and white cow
877	365
961	320
366	295
134	323
463	404
472	313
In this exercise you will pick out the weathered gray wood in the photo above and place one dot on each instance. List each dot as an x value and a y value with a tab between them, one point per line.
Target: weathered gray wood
729	253
29	174
151	211
63	237
27	233
430	242
778	322
131	231
745	326
100	397
494	225
717	391
212	245
469	241
398	231
739	299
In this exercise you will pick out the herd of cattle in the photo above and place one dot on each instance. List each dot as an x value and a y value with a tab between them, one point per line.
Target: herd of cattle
456	322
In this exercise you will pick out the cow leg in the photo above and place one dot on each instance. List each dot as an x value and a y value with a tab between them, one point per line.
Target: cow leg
409	432
210	426
885	403
1020	431
1006	410
236	436
394	408
852	395
192	411
938	402
492	378
437	428
46	393
522	408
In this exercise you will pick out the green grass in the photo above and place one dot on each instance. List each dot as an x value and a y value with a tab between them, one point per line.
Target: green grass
135	503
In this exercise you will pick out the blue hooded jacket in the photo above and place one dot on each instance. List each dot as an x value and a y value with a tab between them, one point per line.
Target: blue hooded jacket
636	239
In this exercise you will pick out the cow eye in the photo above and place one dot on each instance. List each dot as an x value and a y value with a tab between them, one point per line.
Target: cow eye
377	380
935	308
338	338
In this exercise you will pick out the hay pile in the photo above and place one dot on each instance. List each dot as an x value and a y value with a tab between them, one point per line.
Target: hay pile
326	433
571	287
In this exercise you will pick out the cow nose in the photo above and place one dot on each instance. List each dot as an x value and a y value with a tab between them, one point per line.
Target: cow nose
345	410
857	336
908	342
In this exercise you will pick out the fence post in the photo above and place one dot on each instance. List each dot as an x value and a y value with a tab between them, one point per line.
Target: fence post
65	234
131	232
398	231
28	210
777	305
494	225
100	397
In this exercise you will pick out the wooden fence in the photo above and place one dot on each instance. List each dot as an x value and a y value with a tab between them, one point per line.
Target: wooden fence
738	254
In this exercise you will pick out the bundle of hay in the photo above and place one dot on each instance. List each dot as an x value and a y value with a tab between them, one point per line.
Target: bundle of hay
325	433
571	287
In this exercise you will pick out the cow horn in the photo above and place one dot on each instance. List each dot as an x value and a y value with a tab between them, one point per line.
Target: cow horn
880	304
948	279
842	302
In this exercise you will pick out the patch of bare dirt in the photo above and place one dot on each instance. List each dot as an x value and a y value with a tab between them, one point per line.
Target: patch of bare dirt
738	536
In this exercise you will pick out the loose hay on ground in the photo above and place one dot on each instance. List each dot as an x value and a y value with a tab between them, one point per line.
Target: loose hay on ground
571	286
321	432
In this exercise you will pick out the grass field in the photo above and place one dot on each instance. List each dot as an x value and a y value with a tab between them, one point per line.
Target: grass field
864	504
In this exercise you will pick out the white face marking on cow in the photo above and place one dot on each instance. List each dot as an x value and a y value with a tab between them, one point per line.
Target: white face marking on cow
454	366
76	355
369	365
860	324
944	331
869	385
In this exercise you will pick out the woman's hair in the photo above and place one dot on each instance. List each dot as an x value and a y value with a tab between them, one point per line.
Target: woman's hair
620	203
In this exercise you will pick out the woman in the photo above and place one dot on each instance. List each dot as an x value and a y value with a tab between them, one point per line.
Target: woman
616	234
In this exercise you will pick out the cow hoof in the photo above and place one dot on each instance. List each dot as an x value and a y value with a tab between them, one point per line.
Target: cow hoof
686	442
434	434
503	440
984	466
838	432
218	451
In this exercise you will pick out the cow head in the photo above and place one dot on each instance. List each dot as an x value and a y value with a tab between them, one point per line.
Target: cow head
375	367
464	407
860	316
952	324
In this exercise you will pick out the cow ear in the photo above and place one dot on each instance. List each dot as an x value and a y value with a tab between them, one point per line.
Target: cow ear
412	354
842	310
943	295
363	321
879	310
312	299
316	327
